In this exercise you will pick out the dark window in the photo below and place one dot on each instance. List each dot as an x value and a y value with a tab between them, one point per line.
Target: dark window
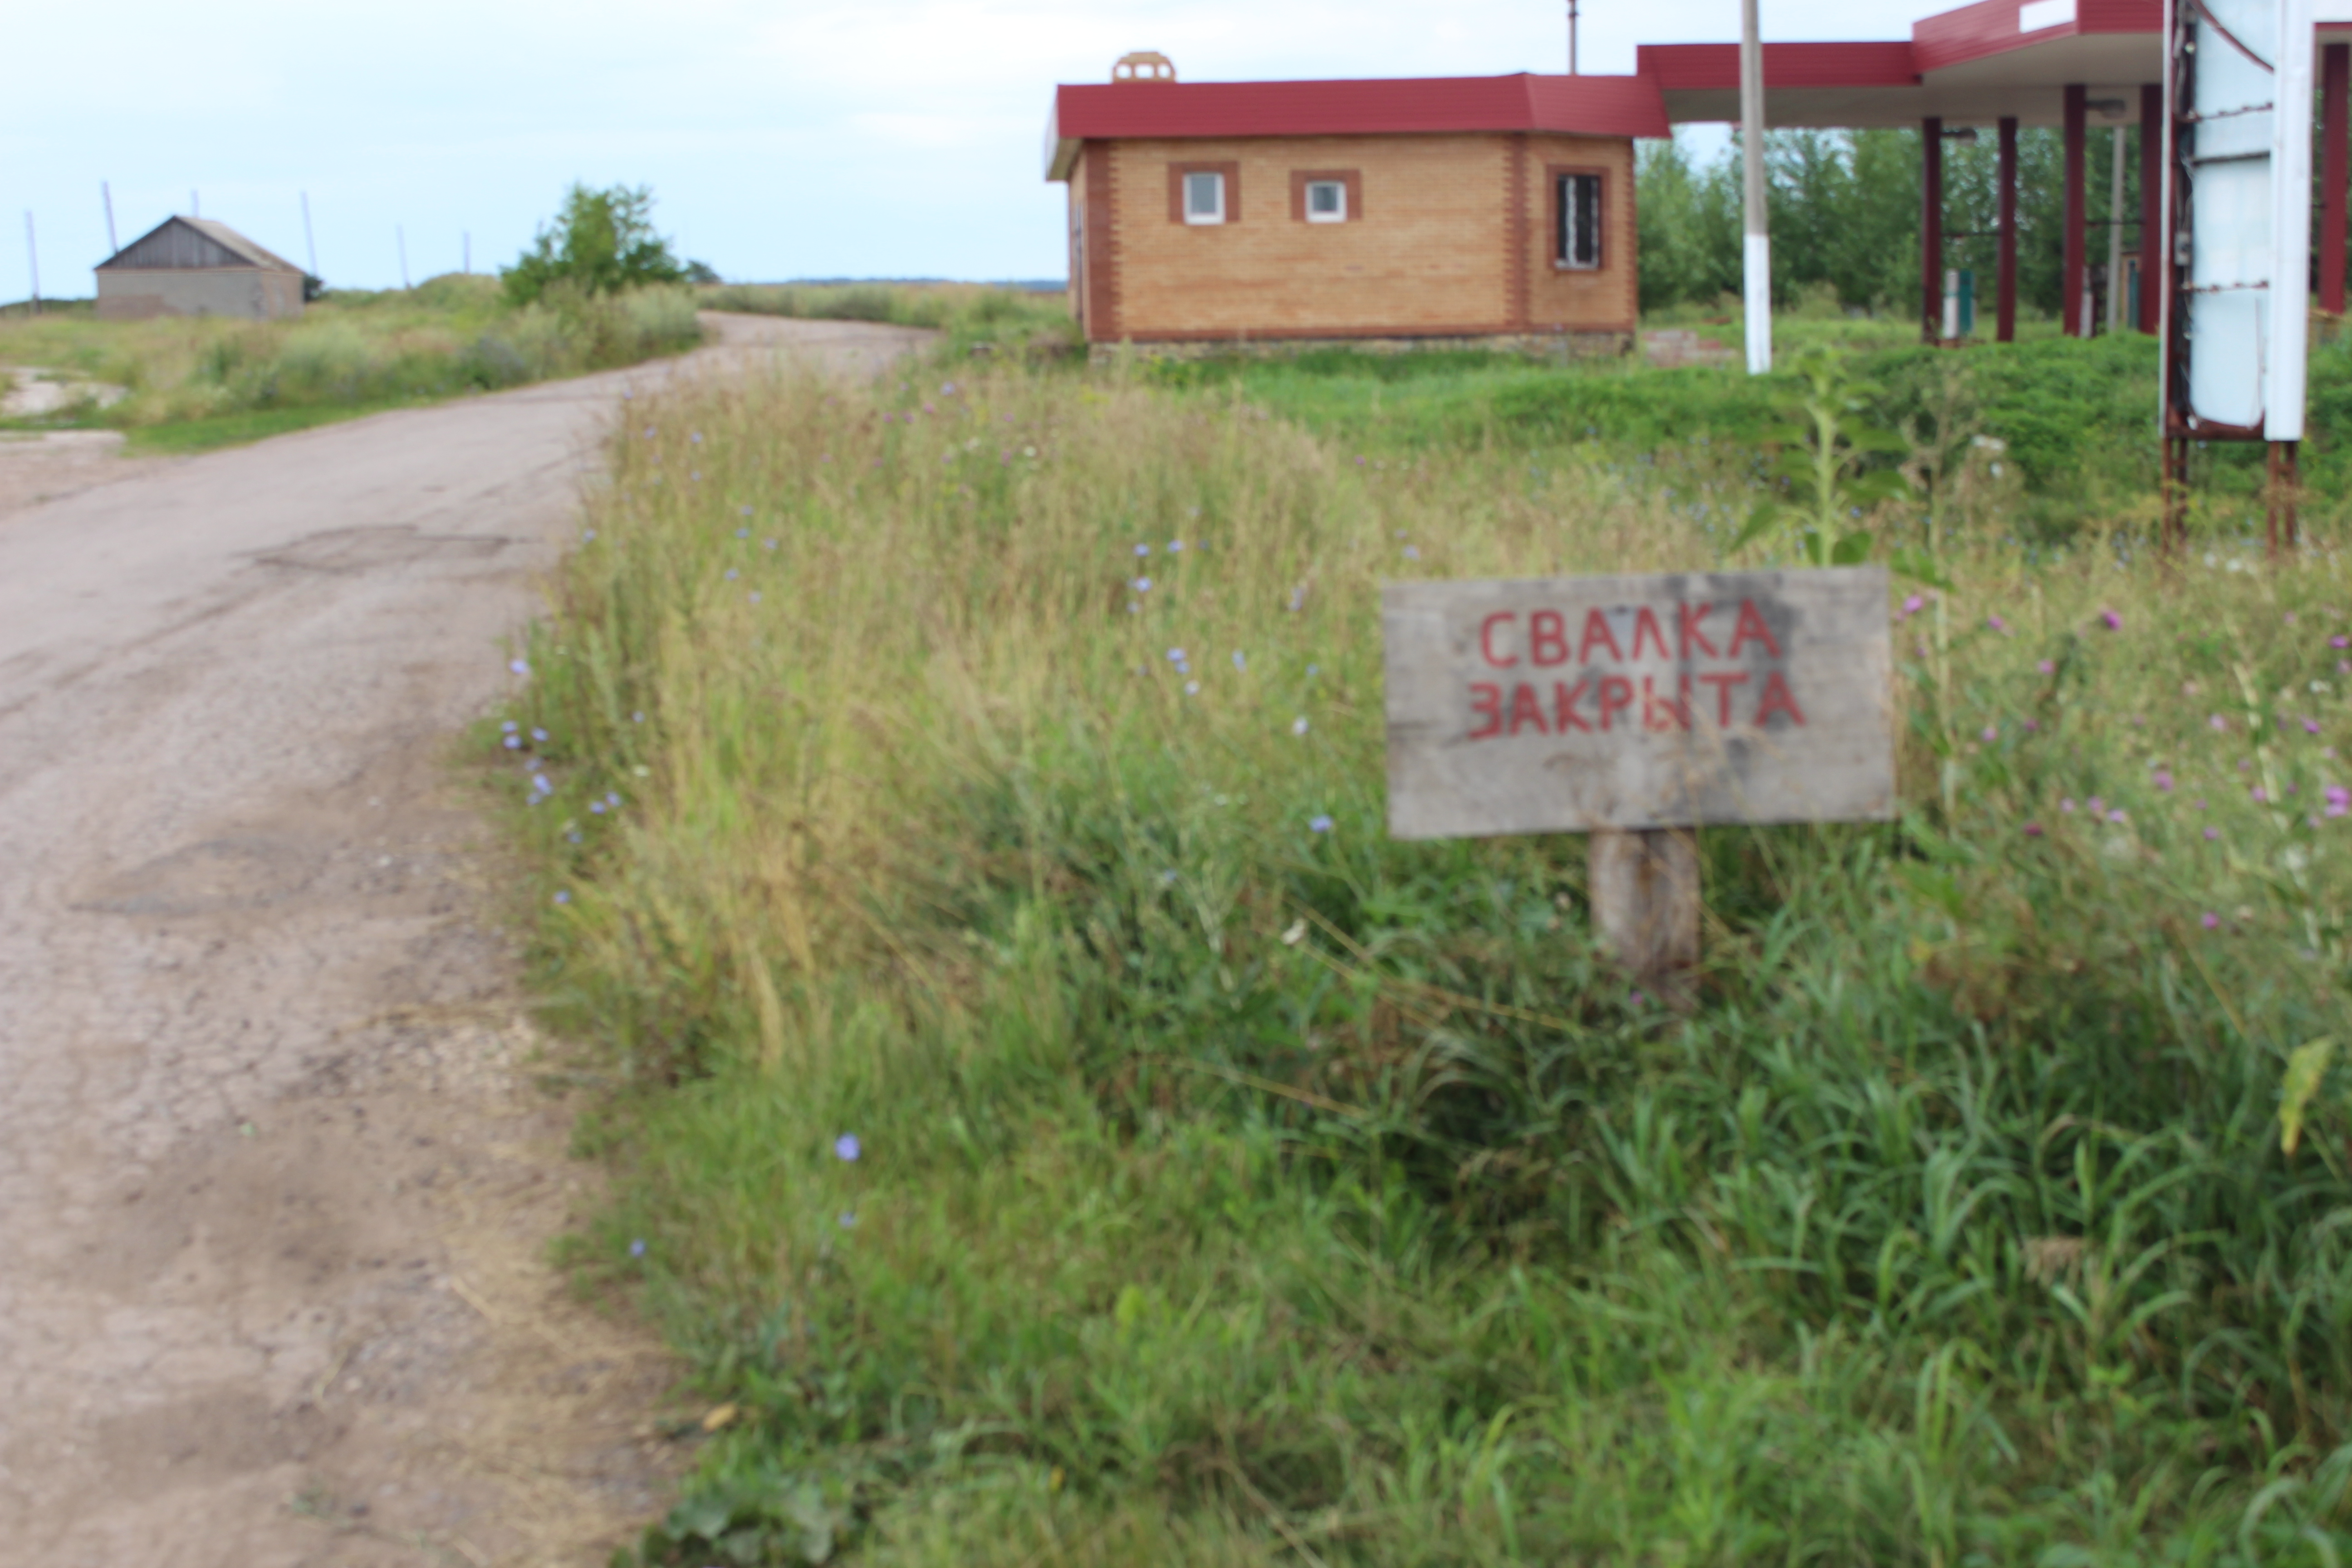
1577	203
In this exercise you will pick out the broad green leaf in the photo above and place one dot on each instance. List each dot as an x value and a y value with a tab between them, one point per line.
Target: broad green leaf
2305	1067
1759	522
1879	484
1851	550
1920	566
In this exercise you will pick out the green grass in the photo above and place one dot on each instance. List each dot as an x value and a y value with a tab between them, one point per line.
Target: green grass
1230	1190
2072	419
199	382
970	317
191	436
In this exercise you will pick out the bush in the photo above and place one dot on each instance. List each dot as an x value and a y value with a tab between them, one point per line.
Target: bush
602	242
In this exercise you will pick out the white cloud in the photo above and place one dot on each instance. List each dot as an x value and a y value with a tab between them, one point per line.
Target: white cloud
780	137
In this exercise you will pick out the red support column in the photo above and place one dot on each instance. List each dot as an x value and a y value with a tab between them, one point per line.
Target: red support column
2335	87
1931	230
2006	324
2072	276
2152	268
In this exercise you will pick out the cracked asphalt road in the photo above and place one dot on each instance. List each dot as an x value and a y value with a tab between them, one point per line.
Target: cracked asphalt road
275	1189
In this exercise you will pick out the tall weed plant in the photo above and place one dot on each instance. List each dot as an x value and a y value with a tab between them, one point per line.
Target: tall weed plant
1060	1126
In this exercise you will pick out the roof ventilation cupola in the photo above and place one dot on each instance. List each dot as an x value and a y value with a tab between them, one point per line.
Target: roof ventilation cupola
1144	65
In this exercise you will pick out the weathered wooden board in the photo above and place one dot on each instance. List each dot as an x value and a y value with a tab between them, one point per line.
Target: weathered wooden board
1574	703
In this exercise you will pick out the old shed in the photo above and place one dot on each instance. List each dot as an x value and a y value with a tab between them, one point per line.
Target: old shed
196	267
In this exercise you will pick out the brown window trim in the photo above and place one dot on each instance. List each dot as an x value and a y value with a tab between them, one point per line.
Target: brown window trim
1552	173
1233	173
1351	178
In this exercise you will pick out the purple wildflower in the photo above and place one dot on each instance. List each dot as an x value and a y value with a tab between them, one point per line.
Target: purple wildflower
1318	824
2210	920
2113	622
846	1147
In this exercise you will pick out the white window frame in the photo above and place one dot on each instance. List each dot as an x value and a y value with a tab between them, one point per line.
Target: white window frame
1195	216
1564	237
1339	213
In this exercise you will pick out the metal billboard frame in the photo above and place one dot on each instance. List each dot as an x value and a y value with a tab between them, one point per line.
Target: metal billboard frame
2279	322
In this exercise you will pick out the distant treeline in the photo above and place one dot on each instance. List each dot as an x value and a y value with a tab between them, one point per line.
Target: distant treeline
1845	222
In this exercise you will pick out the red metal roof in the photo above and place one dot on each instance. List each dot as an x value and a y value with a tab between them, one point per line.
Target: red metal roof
1686	67
1996	27
1576	105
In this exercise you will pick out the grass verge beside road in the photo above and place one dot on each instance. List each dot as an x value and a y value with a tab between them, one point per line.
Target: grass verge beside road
969	317
1062	1128
190	383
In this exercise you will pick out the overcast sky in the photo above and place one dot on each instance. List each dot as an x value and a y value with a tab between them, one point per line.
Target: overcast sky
783	139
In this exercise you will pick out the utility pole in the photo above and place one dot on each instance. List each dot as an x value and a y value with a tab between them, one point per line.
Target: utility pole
1571	37
107	196
401	240
1755	260
308	244
33	261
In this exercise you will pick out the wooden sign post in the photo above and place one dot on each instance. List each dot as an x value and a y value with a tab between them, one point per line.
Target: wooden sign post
1636	708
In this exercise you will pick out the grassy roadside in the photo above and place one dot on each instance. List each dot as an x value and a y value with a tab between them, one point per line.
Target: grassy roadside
188	437
971	317
186	385
1064	1129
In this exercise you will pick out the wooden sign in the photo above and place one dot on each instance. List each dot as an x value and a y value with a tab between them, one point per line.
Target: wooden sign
1573	704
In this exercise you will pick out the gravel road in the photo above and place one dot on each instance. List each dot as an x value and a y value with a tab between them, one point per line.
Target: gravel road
276	1183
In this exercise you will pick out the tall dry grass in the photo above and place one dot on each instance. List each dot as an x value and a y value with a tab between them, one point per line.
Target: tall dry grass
992	770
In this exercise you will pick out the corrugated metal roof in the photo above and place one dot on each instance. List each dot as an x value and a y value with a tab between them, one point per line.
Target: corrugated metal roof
1574	105
193	243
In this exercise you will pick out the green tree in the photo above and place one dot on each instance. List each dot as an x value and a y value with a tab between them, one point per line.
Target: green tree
602	242
1689	225
1845	210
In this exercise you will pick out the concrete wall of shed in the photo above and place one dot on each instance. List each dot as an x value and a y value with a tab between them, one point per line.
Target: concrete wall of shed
247	291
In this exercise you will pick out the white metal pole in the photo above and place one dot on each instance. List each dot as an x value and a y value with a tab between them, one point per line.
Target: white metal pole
107	196
310	244
2290	290
2155	250
1755	260
33	261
